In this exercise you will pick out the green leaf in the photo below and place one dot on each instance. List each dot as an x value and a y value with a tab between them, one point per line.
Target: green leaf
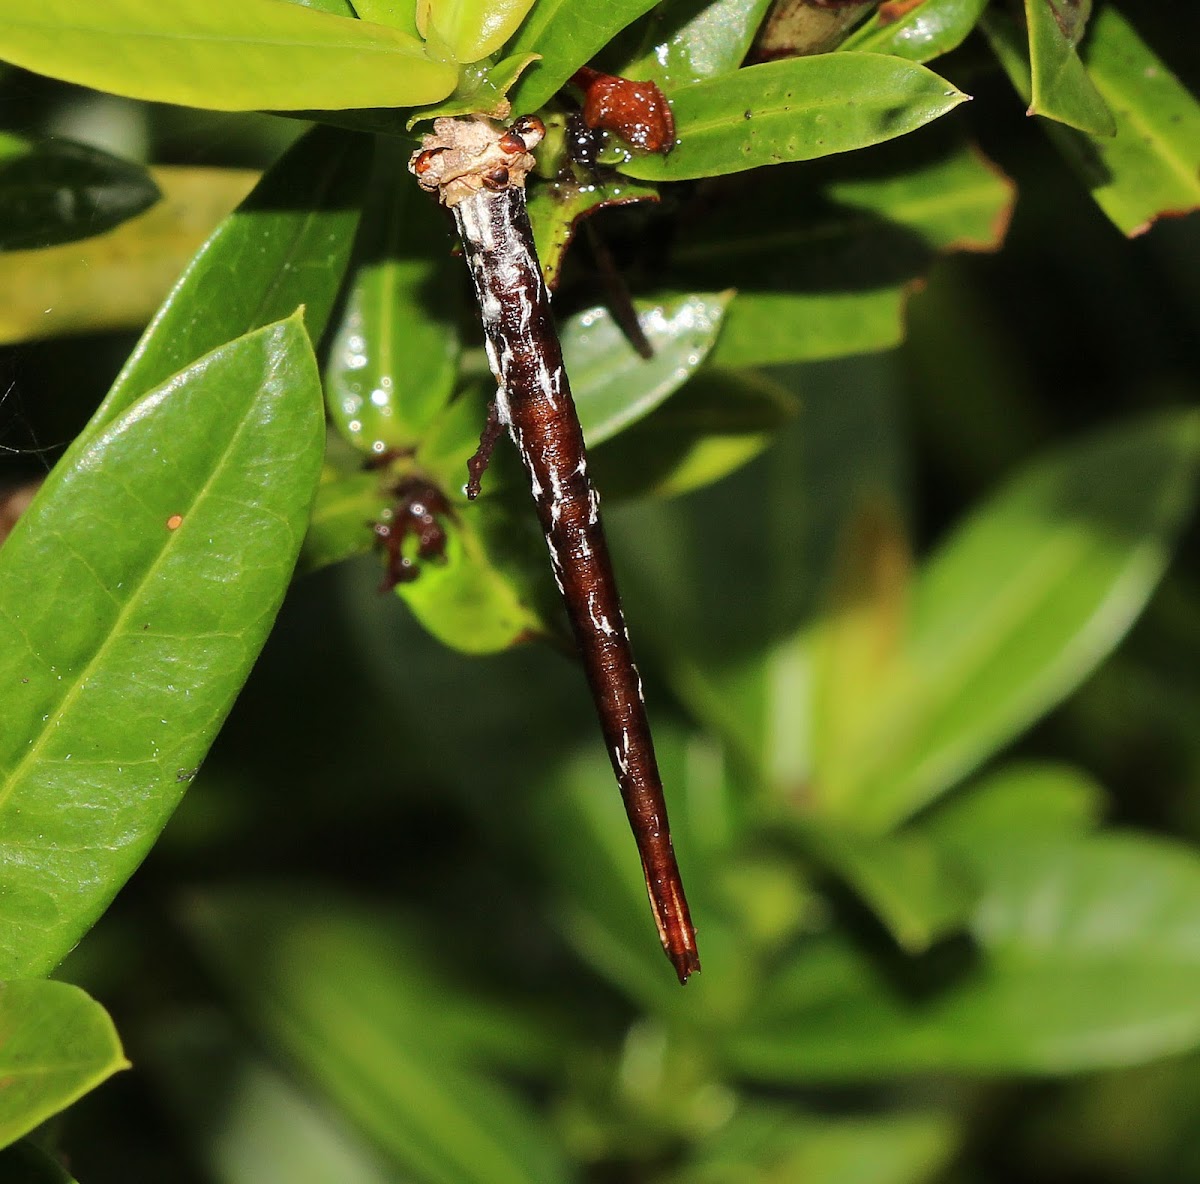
337	7
56	1044
227	55
116	280
567	34
382	1032
474	29
54	191
558	208
727	595
394	358
346	506
1020	801
613	385
795	109
481	598
400	14
686	41
1061	924
285	245
907	880
1152	167
584	841
1019	605
481	90
926	30
26	1163
1060	87
763	1143
176	529
823	263
717	422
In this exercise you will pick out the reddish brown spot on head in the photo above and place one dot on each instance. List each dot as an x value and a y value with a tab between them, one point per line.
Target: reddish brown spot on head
175	522
529	127
638	112
424	160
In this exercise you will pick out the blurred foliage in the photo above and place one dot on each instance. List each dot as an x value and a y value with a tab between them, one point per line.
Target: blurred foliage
902	508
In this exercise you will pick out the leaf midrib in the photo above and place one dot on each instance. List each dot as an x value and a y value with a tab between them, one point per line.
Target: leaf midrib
118	630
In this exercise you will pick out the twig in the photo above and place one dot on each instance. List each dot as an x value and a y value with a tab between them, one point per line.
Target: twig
478	169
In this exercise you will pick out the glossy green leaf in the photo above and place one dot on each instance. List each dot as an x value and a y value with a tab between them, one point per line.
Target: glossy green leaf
481	90
382	1033
400	14
927	30
613	385
1152	167
556	210
230	55
285	245
763	1143
55	1044
795	109
26	1163
473	29
686	41
117	280
716	423
1060	87
918	893
822	266
176	529
1020	604
1061	923
568	34
478	599
394	357
54	191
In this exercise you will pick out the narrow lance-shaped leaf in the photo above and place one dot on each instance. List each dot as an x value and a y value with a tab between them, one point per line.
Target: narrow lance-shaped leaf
229	55
795	109
175	530
55	1045
1021	603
